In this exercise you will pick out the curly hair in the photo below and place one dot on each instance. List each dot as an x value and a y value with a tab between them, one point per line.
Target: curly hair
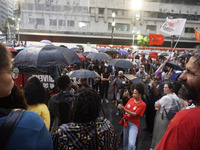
86	106
34	91
139	87
63	82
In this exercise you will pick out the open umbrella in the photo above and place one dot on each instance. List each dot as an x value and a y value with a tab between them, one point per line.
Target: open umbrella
135	79
9	44
164	54
123	52
101	49
98	56
75	49
19	48
46	42
173	65
83	73
120	63
90	50
111	51
39	58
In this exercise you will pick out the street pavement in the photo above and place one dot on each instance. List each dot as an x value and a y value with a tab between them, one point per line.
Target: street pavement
144	138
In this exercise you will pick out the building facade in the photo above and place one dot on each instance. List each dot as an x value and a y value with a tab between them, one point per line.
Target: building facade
85	21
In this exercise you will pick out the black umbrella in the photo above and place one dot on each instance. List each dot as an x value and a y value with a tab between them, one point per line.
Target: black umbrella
80	46
164	54
135	79
173	65
75	49
186	55
120	63
111	51
40	58
98	56
83	73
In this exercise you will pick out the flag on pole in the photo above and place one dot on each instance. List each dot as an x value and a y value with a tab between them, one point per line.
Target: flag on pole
153	55
156	39
197	35
173	26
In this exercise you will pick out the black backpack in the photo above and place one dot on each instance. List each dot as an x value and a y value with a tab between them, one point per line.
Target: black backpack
174	109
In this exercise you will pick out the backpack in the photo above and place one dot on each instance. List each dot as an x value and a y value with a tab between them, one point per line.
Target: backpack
174	109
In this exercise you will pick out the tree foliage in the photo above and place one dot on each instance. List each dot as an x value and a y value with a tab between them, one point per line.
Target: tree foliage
142	41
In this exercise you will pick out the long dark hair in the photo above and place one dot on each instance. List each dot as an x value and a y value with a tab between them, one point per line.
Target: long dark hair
86	106
15	100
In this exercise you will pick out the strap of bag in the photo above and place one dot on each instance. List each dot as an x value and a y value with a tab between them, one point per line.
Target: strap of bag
9	126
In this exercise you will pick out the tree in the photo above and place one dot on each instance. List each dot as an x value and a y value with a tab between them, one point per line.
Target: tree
142	41
6	27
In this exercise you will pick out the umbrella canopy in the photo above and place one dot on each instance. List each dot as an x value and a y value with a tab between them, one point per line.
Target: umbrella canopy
186	55
173	65
120	63
101	49
135	79
83	73
164	54
80	46
41	57
46	42
90	50
98	56
123	52
19	48
111	51
75	49
81	56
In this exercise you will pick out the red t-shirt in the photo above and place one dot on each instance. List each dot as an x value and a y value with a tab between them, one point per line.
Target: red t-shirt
138	108
183	132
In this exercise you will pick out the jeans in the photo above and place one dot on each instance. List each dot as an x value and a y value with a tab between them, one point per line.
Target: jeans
130	134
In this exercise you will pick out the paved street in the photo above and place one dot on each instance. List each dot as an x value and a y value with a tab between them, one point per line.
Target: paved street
144	139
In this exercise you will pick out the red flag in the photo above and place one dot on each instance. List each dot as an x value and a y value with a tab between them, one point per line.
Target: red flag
197	35
153	55
156	39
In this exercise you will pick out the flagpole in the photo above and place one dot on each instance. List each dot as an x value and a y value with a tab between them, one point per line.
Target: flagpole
172	41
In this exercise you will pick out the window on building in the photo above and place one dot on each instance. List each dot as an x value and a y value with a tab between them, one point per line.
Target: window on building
115	11
70	23
40	21
84	23
53	22
125	13
189	30
101	11
119	27
151	28
32	20
61	22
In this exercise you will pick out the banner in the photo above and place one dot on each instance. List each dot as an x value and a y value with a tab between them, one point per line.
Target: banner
173	26
153	55
156	39
197	35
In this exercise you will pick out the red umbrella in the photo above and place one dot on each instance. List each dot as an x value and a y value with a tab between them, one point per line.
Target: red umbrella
81	56
11	49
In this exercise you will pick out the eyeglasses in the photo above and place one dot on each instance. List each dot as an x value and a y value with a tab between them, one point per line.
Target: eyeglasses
14	72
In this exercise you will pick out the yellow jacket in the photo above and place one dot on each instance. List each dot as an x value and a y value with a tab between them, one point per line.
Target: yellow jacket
43	111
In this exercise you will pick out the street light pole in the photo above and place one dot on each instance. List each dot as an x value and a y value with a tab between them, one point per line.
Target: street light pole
113	26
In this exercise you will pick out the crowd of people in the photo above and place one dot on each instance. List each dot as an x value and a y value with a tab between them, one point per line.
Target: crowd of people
73	118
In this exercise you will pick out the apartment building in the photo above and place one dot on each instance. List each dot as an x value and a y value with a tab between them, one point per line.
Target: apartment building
91	20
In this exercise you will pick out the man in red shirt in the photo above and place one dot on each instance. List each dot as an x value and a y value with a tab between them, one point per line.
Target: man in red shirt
183	132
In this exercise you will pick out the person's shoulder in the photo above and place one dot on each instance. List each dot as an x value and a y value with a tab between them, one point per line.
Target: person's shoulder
31	120
187	116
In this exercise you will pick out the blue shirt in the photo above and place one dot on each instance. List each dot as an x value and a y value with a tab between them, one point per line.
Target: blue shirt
30	134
